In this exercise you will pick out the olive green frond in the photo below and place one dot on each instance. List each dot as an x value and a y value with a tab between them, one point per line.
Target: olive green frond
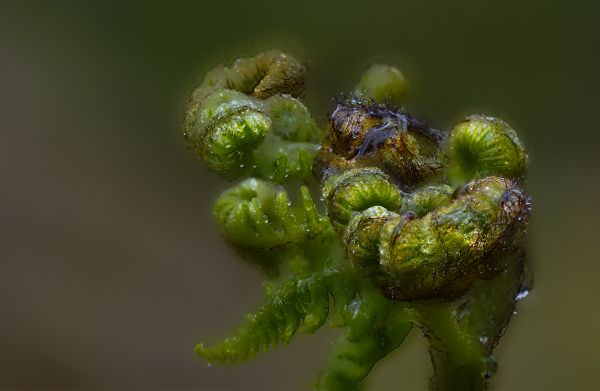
306	304
303	303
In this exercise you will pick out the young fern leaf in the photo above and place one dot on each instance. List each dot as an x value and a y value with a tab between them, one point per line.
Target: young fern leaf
306	304
442	254
303	303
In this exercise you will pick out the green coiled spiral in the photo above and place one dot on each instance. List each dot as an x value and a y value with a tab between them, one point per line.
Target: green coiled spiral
443	253
359	189
482	146
291	119
245	120
258	214
230	127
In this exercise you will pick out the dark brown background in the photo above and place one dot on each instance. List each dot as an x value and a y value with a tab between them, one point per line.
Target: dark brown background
112	268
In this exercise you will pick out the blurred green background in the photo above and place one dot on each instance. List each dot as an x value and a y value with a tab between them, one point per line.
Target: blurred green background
112	268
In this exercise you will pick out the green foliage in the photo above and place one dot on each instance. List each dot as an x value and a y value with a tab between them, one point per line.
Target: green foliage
297	303
291	119
420	228
305	304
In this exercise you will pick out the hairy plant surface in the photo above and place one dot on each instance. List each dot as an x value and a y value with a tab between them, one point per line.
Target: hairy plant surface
415	226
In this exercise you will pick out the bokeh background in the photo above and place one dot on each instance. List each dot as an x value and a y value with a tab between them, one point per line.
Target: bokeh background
112	267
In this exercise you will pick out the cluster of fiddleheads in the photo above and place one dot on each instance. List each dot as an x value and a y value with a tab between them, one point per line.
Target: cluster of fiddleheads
417	227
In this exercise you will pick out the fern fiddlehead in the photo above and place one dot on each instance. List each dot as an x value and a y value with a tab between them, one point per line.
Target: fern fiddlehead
420	228
444	252
368	134
244	120
258	214
482	145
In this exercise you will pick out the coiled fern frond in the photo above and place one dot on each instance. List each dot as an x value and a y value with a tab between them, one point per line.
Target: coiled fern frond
246	120
258	214
260	219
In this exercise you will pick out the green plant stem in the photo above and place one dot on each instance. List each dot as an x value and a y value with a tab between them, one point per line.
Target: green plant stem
458	360
353	357
463	333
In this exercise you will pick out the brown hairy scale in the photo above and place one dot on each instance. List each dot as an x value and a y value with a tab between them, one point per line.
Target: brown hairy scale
369	134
